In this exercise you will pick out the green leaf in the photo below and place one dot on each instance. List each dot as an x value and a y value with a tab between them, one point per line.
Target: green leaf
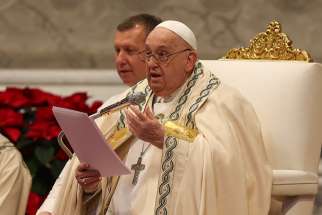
57	167
40	185
44	154
33	165
24	142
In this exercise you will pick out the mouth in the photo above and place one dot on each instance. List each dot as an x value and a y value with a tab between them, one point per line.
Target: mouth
123	71
155	74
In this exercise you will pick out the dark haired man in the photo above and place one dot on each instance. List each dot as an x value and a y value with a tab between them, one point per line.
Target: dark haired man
129	46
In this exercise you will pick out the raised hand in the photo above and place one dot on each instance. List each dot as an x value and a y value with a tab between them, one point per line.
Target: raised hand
145	126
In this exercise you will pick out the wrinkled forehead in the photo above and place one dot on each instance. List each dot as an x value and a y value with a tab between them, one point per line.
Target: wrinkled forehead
162	37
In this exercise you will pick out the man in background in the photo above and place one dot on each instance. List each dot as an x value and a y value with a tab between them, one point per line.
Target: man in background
129	44
129	47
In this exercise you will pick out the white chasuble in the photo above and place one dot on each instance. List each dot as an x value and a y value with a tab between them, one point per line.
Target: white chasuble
224	169
140	198
15	180
213	160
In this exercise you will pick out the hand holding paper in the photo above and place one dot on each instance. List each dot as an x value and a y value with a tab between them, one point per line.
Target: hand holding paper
88	142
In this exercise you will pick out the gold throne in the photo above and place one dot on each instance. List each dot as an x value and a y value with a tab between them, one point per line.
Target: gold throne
285	87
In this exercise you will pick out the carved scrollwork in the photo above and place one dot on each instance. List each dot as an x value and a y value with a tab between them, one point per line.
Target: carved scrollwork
270	45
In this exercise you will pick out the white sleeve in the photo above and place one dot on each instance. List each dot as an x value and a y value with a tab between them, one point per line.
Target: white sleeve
49	204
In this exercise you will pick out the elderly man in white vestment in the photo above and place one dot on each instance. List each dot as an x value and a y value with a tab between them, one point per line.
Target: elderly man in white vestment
15	180
129	44
194	145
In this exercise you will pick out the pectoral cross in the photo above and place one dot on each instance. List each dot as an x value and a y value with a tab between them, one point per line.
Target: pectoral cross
138	167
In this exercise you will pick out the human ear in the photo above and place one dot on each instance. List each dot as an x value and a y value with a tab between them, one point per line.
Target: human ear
191	61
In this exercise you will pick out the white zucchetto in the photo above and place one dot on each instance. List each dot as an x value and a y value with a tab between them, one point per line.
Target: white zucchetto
181	30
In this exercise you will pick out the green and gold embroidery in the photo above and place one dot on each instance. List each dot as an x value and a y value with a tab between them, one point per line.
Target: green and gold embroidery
182	132
185	131
213	83
121	132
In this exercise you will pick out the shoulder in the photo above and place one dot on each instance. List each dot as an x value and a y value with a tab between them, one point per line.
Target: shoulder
113	99
226	94
10	157
140	86
227	98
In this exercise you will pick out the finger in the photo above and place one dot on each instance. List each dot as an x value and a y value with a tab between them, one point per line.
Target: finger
83	167
86	180
138	114
90	185
80	169
89	178
89	173
92	180
130	115
149	113
131	119
132	127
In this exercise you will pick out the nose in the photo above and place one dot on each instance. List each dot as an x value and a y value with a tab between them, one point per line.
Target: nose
151	62
120	58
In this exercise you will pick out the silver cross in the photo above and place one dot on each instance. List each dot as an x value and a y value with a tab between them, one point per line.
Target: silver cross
138	167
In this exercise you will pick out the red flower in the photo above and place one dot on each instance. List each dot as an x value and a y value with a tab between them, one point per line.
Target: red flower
34	202
44	114
78	101
26	118
61	155
64	104
43	130
95	106
38	97
9	117
13	97
12	133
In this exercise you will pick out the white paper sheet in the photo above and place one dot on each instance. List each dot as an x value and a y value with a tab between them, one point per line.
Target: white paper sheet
88	142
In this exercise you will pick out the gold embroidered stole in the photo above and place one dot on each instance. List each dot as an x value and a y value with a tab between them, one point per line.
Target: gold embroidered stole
120	139
181	127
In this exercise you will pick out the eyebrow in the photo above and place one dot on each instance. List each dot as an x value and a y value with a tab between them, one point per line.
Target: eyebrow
160	47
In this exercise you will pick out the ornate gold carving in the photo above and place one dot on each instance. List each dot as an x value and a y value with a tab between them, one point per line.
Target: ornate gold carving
270	45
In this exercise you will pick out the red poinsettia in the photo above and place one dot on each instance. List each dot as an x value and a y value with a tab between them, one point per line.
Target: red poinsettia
26	118
93	108
34	202
78	101
43	130
13	134
40	98
61	155
11	123
14	98
44	114
10	118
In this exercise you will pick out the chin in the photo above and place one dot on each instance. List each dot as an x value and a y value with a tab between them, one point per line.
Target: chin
128	81
159	93
156	91
157	88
